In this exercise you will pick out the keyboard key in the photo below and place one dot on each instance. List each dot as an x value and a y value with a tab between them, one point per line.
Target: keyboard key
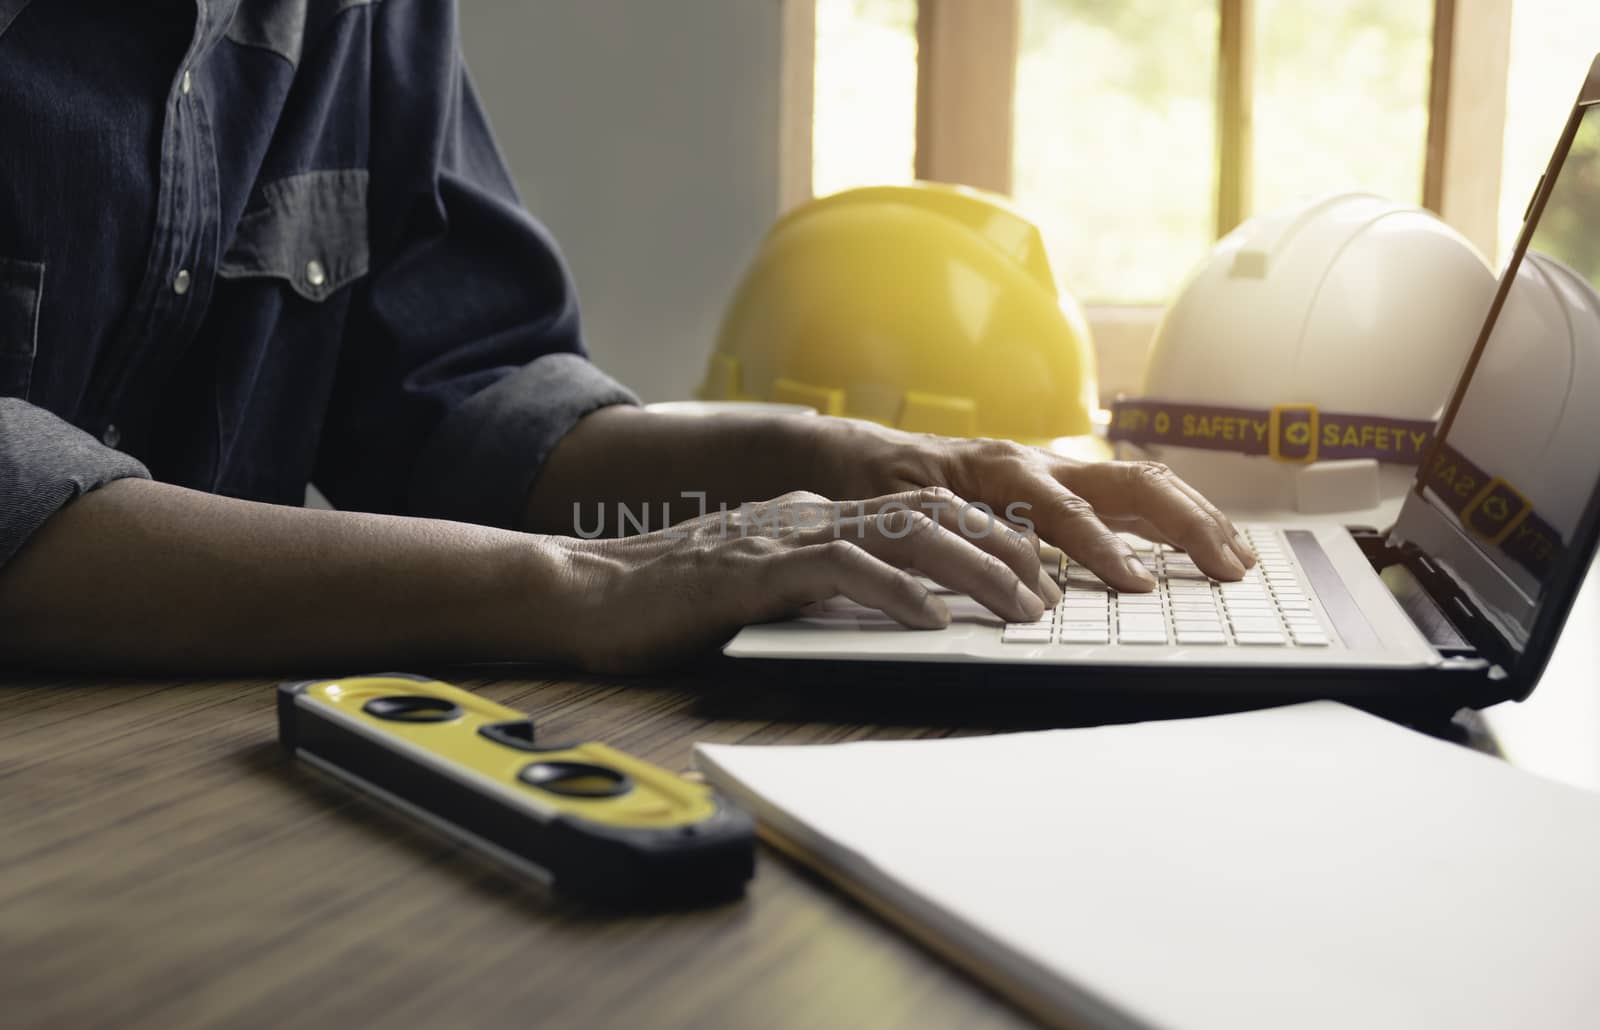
963	607
1269	607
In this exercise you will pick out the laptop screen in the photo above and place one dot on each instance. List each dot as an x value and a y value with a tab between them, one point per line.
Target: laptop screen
1517	460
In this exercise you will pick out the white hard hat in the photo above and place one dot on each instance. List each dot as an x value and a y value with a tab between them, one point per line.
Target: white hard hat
1303	364
1517	489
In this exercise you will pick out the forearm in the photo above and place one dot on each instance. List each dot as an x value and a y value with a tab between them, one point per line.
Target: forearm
642	460
150	577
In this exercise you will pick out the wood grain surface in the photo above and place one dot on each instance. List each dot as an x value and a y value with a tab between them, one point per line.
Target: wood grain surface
166	865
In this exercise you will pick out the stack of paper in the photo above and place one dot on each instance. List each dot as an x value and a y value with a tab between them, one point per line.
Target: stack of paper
1309	866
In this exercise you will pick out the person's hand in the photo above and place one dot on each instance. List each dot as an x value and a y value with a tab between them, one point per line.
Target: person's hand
1076	505
640	602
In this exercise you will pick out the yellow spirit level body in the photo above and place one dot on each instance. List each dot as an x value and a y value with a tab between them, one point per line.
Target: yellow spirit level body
598	824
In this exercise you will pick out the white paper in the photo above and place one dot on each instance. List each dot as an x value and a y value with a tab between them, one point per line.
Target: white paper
1309	866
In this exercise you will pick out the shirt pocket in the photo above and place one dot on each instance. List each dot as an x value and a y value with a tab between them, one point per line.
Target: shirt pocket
21	291
309	230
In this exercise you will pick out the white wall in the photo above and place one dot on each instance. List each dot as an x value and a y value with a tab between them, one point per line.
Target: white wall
644	133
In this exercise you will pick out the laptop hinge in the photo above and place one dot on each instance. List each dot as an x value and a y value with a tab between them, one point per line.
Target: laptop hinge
1445	599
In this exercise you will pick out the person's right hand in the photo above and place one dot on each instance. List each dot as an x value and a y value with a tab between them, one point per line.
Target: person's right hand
643	601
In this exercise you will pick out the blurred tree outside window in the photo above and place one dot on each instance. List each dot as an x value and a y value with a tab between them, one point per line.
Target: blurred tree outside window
1552	45
865	129
1116	138
1341	98
1116	119
1116	123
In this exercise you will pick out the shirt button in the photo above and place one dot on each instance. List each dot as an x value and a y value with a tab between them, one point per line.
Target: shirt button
316	275
112	436
180	282
188	81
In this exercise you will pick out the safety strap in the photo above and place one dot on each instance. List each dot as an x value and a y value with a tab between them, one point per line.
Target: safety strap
1494	511
1295	433
1490	508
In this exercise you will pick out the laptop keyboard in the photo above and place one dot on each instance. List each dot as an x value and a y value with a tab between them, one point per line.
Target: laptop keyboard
1271	607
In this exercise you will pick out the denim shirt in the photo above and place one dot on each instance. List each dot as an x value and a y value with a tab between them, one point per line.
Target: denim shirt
250	244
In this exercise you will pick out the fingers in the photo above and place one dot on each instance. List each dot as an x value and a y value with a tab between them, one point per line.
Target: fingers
913	540
977	524
1236	541
804	575
1048	589
1139	528
1173	509
1070	522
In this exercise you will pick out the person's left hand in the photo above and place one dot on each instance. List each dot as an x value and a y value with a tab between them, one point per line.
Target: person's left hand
1078	506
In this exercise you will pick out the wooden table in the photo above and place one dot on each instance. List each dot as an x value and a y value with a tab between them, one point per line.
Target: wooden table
166	865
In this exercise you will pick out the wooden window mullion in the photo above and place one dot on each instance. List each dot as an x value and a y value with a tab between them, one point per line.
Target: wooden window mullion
1235	111
1467	116
966	91
797	91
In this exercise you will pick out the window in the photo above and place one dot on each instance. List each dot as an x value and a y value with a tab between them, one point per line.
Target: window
1552	45
1116	142
1341	98
866	93
1141	129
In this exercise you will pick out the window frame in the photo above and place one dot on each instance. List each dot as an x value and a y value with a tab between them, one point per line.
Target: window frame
966	89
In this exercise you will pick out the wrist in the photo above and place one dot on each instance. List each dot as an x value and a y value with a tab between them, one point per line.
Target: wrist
518	602
851	459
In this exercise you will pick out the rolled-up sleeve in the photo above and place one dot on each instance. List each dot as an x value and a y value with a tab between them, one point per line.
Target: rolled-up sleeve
481	463
46	462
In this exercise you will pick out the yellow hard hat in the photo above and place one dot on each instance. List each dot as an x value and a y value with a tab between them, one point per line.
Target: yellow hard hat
927	307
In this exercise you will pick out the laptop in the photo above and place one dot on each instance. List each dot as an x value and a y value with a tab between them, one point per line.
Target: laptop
1465	593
